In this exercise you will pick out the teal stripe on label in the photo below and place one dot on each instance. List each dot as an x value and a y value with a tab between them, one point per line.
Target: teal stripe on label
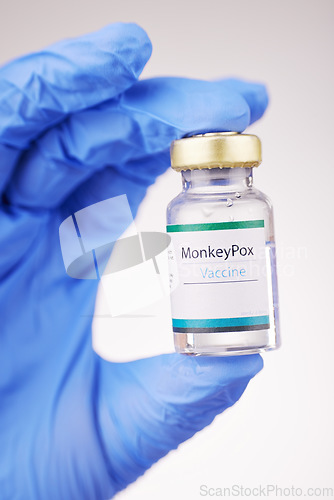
215	226
220	322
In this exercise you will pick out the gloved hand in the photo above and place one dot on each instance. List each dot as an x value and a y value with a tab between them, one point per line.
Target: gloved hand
76	127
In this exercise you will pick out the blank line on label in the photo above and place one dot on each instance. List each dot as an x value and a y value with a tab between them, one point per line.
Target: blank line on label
215	282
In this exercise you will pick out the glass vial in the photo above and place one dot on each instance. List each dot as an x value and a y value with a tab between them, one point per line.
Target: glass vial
222	264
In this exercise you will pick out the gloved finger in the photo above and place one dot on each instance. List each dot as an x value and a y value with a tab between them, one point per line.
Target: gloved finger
159	402
125	133
39	90
234	100
254	93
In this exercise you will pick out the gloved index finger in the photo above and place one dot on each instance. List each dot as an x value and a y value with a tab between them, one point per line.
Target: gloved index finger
41	89
255	94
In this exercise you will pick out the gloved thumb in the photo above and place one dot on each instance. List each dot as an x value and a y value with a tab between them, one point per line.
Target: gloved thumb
148	407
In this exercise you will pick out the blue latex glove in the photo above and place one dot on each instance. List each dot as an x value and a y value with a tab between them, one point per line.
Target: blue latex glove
76	128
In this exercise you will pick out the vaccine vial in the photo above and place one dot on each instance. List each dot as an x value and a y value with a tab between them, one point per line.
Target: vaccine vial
222	266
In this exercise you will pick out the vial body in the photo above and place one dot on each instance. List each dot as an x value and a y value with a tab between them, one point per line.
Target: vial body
224	296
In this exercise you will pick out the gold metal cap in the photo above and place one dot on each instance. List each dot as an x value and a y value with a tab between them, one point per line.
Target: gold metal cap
216	150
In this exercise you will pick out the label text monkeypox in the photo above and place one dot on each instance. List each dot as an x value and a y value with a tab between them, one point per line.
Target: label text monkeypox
223	253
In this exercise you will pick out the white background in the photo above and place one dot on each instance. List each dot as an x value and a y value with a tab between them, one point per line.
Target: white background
281	431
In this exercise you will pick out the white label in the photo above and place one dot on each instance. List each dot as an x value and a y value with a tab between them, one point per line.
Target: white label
218	277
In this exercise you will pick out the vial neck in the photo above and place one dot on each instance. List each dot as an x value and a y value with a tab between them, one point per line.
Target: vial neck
217	180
